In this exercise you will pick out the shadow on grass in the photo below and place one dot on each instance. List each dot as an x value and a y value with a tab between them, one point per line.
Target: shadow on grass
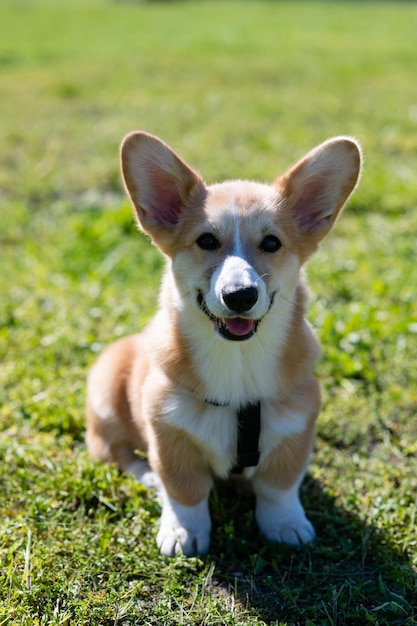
353	574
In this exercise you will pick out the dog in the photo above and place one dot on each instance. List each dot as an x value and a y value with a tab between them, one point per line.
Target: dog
221	382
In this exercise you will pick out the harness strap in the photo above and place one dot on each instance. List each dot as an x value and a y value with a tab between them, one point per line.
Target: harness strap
249	429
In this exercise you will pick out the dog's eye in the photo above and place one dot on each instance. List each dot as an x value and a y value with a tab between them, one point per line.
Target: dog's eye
270	243
207	241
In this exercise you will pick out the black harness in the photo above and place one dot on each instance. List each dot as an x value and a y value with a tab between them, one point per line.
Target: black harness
248	432
249	429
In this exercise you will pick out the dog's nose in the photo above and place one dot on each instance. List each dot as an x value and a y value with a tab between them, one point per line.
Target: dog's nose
240	299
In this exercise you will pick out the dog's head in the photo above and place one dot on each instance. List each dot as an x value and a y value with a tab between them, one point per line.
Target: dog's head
234	247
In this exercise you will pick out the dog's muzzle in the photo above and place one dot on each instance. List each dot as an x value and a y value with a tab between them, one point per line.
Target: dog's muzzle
234	328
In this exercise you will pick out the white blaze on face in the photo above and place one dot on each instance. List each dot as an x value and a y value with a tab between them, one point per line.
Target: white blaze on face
235	273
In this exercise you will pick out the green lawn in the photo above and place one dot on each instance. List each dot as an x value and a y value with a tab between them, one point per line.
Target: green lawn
239	89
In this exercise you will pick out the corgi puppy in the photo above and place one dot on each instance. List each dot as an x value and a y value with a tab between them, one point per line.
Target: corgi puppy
222	379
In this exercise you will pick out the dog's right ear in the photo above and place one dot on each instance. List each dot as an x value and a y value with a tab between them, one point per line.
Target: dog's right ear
158	182
317	187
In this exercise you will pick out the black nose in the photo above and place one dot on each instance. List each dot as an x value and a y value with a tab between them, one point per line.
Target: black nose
240	300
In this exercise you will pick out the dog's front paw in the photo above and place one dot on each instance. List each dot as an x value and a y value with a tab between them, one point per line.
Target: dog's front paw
281	517
184	529
297	532
172	541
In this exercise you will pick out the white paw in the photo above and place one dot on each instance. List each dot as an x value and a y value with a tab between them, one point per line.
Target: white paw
281	517
174	541
184	530
296	532
144	475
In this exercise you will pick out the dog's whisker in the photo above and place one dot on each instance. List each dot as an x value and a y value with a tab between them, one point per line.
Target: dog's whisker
261	277
293	302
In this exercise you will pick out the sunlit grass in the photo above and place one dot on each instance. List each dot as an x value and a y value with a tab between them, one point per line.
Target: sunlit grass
240	89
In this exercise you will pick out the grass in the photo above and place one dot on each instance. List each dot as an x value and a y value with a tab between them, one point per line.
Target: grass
239	89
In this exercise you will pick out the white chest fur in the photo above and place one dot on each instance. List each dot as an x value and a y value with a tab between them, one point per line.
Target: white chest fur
215	429
238	373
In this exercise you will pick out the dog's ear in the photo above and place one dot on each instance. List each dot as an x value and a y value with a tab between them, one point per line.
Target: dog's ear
158	182
317	187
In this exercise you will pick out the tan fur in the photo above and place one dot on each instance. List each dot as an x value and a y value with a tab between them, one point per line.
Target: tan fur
283	466
115	439
153	392
179	463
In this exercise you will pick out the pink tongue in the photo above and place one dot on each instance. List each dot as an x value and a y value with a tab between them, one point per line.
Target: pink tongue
238	325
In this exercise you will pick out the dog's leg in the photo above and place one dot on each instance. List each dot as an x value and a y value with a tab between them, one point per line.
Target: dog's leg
108	442
280	515
184	529
279	512
186	483
111	435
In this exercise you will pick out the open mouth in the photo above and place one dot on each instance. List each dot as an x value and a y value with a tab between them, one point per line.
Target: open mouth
232	328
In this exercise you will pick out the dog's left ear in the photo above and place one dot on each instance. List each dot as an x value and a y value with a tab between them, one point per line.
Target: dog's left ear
317	187
159	183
